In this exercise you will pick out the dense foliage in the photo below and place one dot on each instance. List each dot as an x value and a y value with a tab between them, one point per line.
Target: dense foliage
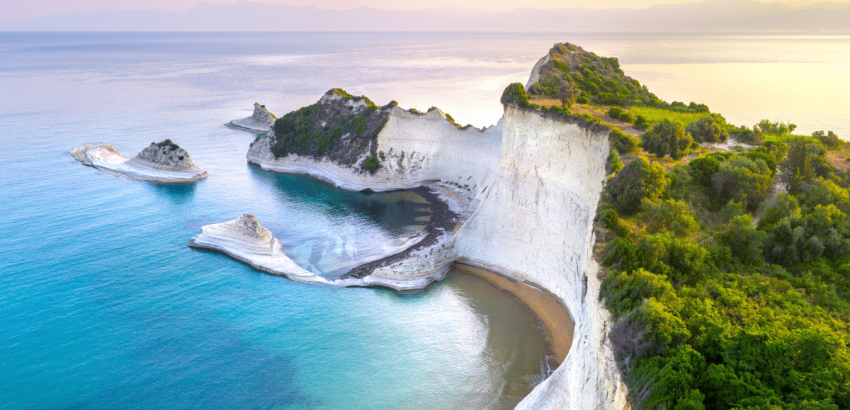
316	130
667	138
727	297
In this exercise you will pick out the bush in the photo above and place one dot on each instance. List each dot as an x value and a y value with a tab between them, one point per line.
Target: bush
702	169
610	220
627	117
743	240
742	180
638	180
640	123
614	164
829	140
515	94
669	215
667	138
582	100
622	142
706	129
615	112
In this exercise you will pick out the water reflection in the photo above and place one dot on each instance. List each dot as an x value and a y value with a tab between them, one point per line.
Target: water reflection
178	194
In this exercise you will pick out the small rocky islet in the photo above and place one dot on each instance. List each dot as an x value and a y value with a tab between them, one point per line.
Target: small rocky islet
161	162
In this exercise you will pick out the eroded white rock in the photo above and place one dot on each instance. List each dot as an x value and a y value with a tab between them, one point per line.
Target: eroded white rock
163	162
244	239
259	122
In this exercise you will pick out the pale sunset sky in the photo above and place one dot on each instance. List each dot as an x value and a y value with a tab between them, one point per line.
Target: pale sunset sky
21	9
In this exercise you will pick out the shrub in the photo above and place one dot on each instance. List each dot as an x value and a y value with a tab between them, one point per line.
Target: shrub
614	164
372	165
742	180
669	215
615	112
667	138
773	127
622	142
743	240
627	117
638	180
702	169
829	140
582	100
706	129
640	123
515	94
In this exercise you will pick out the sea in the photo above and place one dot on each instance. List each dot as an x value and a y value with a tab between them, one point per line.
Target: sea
102	304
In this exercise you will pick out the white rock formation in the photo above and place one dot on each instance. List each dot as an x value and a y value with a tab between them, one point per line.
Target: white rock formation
532	185
246	240
162	162
258	123
535	72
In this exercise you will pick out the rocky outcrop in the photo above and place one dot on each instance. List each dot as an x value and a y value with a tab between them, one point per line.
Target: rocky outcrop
260	122
244	239
167	155
162	162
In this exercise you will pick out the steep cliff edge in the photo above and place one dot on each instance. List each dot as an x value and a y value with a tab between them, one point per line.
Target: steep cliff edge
534	224
526	191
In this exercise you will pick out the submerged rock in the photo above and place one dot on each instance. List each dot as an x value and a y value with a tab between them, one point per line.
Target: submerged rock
163	162
244	239
259	122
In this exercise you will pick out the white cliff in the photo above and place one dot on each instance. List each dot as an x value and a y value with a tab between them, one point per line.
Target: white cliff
258	123
162	162
244	239
527	192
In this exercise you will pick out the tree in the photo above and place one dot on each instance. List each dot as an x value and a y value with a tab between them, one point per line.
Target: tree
669	215
667	138
622	142
706	129
638	180
829	140
743	240
797	167
742	180
702	169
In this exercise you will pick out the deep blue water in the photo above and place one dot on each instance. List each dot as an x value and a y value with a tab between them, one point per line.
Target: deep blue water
103	306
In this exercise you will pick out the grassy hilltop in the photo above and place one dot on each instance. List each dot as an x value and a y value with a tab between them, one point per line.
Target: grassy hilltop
727	266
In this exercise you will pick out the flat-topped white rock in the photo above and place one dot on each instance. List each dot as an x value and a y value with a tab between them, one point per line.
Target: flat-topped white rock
163	162
260	122
244	239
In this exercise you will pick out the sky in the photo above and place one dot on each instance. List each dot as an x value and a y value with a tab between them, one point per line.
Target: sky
21	9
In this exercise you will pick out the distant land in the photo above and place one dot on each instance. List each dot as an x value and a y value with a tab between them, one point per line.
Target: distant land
709	15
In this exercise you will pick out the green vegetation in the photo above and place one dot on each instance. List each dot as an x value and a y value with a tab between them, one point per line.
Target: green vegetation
573	74
667	138
639	180
316	130
622	142
723	299
654	115
707	129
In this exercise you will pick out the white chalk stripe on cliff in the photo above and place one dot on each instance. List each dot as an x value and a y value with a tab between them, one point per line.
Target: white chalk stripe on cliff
106	158
245	240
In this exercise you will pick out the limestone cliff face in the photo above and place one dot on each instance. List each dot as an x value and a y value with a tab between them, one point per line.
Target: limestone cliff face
532	184
166	154
535	224
411	149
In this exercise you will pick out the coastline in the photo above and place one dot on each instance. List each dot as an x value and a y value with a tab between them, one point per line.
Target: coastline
443	220
553	317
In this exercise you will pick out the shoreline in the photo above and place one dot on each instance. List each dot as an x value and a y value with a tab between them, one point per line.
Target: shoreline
443	220
553	318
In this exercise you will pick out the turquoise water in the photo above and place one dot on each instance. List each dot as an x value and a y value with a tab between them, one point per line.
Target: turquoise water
103	306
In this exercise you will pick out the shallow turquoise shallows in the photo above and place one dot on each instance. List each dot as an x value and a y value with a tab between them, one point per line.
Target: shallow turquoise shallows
102	304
